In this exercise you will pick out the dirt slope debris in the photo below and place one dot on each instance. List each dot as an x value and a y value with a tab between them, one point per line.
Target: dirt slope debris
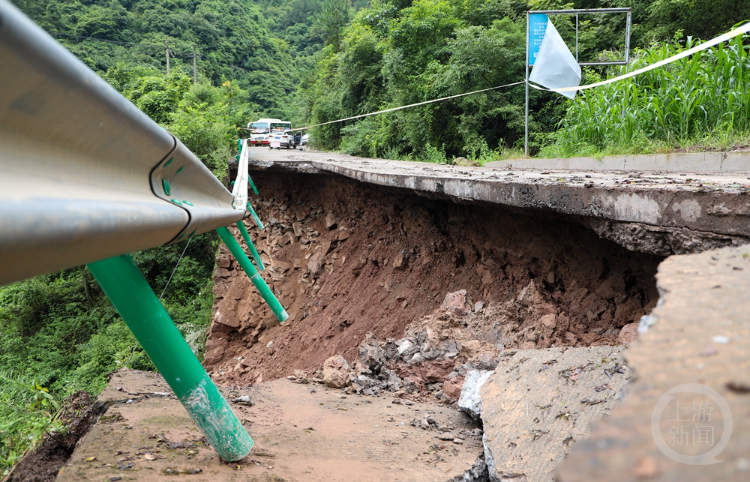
302	432
347	259
80	411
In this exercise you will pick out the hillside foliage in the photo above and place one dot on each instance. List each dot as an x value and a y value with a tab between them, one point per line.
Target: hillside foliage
398	52
311	61
234	39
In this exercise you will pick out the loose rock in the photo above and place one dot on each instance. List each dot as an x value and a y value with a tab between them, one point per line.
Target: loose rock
628	334
470	400
336	372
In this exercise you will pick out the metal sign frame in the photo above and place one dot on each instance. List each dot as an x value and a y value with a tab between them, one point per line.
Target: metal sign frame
576	12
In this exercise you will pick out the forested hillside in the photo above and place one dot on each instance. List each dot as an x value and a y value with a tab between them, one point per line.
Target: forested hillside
233	38
320	60
398	52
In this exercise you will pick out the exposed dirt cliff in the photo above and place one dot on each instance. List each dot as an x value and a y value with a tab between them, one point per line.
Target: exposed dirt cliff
347	258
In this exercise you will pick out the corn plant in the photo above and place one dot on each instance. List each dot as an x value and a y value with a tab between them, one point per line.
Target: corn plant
694	100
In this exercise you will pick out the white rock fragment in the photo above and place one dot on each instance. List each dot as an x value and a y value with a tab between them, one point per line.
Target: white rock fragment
470	400
404	346
720	339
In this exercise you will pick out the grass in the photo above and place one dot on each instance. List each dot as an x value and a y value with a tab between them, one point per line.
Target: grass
698	103
480	153
27	411
58	337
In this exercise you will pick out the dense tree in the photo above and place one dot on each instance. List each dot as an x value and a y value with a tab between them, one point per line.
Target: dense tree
232	37
398	52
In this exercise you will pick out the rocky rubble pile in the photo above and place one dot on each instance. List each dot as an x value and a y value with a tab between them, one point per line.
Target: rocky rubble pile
459	343
345	260
432	358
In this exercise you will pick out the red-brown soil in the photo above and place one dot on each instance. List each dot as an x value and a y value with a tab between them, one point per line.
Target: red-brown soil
347	259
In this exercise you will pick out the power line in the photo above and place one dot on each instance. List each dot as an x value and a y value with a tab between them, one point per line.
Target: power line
133	44
744	29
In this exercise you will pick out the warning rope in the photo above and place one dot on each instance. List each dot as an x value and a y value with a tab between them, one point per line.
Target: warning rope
698	48
705	45
410	105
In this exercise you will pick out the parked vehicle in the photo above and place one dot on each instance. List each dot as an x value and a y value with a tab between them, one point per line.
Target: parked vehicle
279	139
262	128
304	140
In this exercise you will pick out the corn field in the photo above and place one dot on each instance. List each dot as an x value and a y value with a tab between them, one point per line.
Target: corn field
700	100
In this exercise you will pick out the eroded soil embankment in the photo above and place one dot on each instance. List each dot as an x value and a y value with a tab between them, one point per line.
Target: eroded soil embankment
347	259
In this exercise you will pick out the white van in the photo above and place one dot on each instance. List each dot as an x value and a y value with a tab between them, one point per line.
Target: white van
260	130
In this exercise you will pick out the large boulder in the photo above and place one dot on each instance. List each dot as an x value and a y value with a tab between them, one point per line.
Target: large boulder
452	388
336	372
455	302
315	264
215	348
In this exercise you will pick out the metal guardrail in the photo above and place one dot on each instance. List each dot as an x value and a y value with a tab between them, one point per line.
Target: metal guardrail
85	175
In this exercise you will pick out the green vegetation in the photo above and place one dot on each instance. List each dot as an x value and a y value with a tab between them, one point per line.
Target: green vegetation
695	103
320	60
59	334
398	52
232	37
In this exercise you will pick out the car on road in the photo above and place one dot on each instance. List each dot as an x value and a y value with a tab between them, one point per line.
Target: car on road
304	140
279	139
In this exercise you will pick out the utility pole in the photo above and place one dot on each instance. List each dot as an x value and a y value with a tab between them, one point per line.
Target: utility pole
195	68
166	44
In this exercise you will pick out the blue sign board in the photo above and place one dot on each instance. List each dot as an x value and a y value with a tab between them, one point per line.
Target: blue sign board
537	27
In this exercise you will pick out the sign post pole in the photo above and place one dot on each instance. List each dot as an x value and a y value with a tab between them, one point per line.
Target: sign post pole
536	24
526	123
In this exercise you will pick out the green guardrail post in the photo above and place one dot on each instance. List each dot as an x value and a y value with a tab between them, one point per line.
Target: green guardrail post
250	245
247	265
144	314
252	185
257	220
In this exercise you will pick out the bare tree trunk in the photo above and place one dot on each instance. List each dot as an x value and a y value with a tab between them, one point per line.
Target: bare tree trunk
85	283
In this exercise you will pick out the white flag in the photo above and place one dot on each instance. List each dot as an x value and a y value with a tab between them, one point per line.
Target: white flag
555	66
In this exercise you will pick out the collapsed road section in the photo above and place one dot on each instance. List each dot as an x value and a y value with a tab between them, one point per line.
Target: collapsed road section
419	281
347	258
475	319
367	246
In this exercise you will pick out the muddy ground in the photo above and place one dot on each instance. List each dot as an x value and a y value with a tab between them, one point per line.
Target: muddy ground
302	433
80	412
347	259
